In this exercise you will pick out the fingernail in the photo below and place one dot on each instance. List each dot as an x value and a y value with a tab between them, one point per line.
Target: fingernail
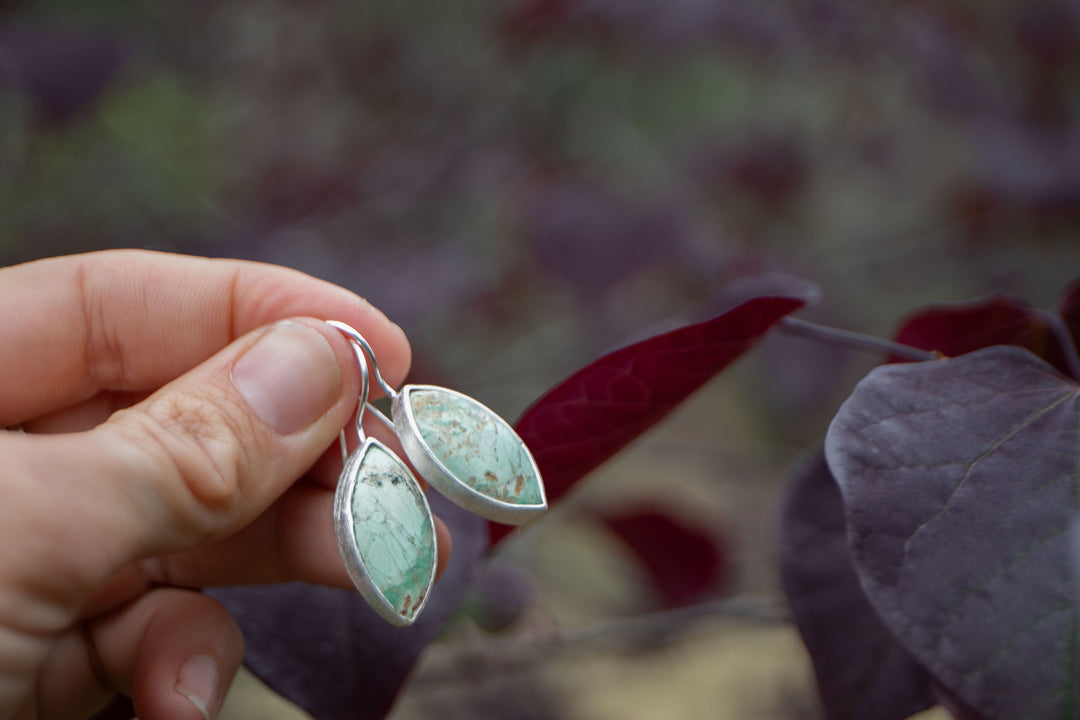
198	681
289	377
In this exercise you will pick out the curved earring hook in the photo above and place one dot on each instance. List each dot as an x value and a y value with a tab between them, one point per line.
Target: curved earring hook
365	389
359	340
364	355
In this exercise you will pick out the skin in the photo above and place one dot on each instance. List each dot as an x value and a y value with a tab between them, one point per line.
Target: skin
147	470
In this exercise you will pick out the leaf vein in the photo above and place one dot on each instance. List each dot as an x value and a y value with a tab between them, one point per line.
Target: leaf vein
994	447
1019	632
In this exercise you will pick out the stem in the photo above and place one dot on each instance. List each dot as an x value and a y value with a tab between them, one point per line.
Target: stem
851	339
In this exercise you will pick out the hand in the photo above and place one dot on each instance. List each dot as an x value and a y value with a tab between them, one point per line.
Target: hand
171	405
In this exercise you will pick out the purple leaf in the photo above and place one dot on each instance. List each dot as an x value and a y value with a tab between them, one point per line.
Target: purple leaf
959	480
863	673
598	410
64	70
683	562
327	651
1074	539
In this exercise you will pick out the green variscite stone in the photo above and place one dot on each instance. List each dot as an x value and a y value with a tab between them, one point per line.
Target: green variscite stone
393	531
476	446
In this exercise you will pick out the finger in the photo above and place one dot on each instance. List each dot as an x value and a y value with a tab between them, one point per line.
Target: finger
134	320
295	540
85	415
174	651
193	463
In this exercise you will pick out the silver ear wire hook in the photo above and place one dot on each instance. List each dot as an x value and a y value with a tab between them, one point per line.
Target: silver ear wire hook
365	389
359	340
364	356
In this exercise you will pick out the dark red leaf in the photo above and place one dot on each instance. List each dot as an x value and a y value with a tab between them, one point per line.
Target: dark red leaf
683	562
598	410
954	330
959	480
863	672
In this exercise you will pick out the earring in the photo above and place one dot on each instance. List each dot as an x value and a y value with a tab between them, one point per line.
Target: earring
462	448
385	528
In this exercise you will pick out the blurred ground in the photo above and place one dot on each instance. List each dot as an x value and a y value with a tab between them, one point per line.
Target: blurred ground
523	185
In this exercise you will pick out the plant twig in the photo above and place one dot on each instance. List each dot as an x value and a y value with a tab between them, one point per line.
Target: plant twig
847	338
650	630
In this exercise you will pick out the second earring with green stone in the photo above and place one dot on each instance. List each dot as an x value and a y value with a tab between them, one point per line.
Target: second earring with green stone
462	448
384	526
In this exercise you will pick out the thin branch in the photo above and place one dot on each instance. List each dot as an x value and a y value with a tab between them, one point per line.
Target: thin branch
847	338
650	630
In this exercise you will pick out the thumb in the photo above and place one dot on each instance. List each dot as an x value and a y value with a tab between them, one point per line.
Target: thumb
197	460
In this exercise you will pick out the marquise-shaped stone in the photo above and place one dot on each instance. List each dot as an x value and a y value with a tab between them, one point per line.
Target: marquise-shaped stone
391	532
478	449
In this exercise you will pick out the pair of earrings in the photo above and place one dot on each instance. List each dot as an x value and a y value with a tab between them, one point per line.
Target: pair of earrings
385	528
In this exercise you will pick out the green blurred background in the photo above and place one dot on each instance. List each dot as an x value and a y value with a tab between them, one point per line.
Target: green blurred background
523	185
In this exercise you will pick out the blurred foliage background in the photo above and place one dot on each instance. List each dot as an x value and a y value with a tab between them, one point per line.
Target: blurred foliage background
524	184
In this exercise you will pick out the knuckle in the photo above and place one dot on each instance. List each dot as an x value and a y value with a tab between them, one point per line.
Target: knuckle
103	349
205	448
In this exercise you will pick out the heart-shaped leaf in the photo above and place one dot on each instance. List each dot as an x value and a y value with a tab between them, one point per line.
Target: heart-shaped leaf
863	673
961	328
959	480
598	410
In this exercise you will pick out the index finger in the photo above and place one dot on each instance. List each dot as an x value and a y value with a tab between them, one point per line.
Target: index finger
129	320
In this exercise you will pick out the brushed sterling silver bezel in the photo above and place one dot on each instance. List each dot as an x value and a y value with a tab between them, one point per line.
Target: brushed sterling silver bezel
432	469
344	526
